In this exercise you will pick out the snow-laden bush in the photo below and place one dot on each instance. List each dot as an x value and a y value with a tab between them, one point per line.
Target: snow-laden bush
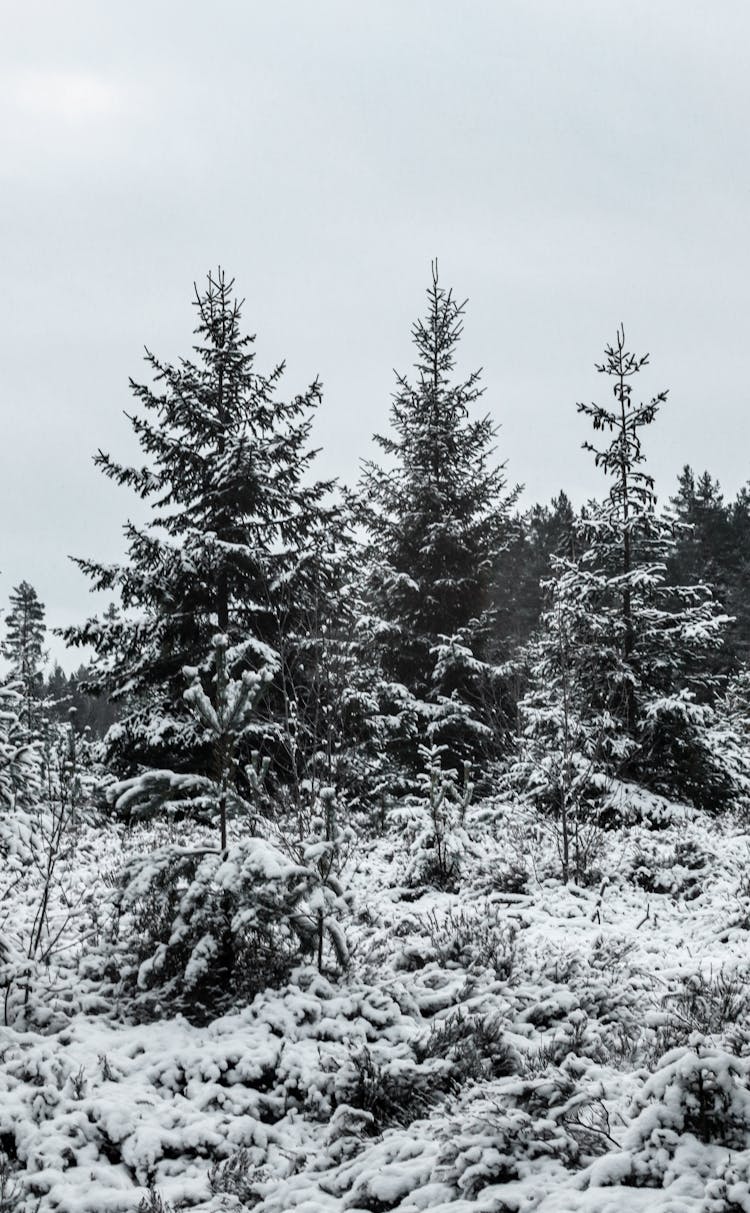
594	1009
199	930
20	786
473	1045
473	939
630	804
680	869
707	1004
729	1191
395	1092
492	1136
502	1131
436	1065
43	894
703	1093
237	1176
10	1189
154	1203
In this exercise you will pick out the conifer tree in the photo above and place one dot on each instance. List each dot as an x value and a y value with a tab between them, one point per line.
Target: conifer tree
67	702
437	517
631	653
240	541
19	775
738	596
536	535
713	545
23	648
703	547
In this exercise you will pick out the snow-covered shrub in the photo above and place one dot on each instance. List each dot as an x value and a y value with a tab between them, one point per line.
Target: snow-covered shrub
395	1092
707	1004
20	786
500	1132
732	733
19	755
556	768
211	923
702	1093
433	823
511	877
396	1089
609	953
319	842
680	869
553	773
520	852
43	839
473	939
236	1176
629	804
509	1130
347	1132
154	1203
199	930
729	1191
474	1045
10	1189
223	715
594	1009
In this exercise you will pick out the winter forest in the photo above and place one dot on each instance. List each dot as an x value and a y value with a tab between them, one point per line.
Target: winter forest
390	847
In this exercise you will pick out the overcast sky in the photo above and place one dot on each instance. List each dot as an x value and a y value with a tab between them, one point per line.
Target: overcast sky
573	163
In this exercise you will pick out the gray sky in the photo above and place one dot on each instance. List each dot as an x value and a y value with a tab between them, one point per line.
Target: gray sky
573	163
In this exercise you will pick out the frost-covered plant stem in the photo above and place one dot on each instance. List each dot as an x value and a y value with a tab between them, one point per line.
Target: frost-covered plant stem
64	795
571	845
332	838
52	830
566	773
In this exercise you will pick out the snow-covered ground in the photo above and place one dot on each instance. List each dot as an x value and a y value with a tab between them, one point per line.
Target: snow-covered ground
512	1045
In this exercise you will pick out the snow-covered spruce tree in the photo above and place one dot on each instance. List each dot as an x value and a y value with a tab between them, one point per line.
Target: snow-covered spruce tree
621	689
536	535
432	822
322	711
23	648
239	541
20	787
712	546
19	758
437	519
705	546
206	922
558	763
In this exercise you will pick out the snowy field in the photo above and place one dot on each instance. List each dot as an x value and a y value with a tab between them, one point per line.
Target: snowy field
512	1045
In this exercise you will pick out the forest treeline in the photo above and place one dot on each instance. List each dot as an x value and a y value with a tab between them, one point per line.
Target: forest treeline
427	578
278	647
712	547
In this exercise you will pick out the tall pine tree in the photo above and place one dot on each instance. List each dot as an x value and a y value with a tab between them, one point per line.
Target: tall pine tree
437	516
23	648
240	542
